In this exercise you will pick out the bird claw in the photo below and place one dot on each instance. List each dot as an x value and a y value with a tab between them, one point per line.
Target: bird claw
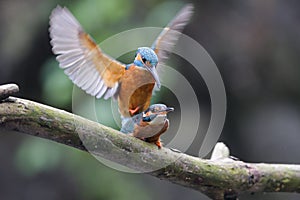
158	144
133	111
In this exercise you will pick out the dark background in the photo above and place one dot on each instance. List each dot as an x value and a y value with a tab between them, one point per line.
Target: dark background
254	43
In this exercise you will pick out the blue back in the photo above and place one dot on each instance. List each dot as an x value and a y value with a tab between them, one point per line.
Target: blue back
129	122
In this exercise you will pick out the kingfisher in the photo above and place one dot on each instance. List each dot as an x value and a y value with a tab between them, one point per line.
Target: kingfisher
98	74
148	125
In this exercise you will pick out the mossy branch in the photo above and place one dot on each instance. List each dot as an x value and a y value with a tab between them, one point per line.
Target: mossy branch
219	178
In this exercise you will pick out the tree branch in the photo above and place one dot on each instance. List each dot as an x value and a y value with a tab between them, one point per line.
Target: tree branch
219	178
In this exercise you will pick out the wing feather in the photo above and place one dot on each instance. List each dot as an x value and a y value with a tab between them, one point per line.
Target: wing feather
82	60
170	34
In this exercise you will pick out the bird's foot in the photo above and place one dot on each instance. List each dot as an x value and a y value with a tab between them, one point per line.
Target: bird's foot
134	111
158	144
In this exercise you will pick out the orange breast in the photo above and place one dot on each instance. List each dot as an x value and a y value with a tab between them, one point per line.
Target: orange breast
156	135
136	87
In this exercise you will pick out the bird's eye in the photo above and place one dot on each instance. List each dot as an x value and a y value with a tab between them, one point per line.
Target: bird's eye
144	60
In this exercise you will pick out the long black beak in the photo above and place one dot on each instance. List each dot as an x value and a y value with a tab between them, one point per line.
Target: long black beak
154	73
169	109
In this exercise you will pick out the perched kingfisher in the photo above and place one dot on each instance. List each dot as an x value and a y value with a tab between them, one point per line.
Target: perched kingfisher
102	76
148	125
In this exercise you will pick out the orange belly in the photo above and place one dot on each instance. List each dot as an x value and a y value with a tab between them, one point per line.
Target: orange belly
151	133
135	91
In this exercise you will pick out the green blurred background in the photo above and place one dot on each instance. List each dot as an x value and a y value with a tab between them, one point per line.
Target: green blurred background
254	43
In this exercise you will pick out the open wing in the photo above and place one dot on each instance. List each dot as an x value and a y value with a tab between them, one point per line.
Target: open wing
170	34
81	58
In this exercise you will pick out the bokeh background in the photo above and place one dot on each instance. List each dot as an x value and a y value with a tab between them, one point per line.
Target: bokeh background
254	43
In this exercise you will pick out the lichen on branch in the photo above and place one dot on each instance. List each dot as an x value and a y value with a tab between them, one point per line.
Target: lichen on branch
219	178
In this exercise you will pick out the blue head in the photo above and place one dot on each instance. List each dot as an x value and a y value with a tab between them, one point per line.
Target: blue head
156	110
145	57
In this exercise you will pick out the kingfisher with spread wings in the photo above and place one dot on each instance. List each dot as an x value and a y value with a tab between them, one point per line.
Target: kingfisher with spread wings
102	76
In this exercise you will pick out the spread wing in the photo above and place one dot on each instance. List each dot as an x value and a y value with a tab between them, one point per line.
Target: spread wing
81	58
170	34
